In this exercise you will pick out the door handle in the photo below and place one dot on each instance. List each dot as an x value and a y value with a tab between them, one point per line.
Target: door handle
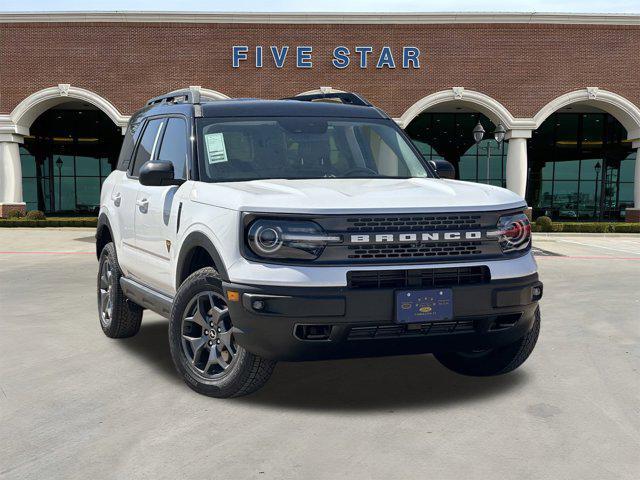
117	198
143	205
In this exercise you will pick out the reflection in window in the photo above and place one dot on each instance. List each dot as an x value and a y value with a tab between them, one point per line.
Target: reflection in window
580	168
66	159
449	136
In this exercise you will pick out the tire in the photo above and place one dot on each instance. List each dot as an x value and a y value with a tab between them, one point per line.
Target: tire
202	343
493	362
119	317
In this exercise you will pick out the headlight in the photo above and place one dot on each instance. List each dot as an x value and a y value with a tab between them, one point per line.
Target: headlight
513	233
288	239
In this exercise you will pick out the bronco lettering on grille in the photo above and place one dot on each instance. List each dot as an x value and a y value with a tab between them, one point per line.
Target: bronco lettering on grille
415	237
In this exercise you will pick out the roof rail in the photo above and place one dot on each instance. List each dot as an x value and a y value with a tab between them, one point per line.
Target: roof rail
185	95
349	98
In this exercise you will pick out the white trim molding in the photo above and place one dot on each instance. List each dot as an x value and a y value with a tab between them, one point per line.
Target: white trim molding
415	18
26	112
622	109
492	108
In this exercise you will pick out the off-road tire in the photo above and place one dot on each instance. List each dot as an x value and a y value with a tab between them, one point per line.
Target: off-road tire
246	374
125	315
494	362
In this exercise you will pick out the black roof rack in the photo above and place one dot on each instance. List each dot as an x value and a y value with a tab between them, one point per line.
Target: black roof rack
185	95
348	98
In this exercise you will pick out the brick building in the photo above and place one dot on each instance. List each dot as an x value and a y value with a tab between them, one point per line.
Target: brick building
564	87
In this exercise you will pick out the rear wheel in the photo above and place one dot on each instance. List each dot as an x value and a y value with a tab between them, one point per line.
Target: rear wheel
484	363
203	345
119	317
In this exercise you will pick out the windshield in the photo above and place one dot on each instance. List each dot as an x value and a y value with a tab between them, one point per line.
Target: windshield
304	147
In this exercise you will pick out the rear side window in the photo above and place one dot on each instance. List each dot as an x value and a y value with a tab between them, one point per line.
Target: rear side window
174	146
147	144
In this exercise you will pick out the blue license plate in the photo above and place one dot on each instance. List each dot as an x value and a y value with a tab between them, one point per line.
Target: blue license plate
421	306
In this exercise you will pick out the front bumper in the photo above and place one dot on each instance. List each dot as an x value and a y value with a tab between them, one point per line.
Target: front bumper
312	323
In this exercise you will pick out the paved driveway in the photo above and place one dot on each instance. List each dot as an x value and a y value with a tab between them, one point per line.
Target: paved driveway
75	404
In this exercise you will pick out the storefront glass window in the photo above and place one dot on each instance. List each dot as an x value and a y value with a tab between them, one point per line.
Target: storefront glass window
449	136
66	159
579	164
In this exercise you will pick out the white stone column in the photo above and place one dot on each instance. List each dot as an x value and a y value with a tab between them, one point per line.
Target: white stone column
10	174
517	161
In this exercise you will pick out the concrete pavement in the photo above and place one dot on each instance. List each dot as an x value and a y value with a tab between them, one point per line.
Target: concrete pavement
75	404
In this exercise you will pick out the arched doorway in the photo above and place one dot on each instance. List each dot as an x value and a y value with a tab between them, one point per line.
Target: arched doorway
447	133
581	166
68	122
71	148
583	157
441	125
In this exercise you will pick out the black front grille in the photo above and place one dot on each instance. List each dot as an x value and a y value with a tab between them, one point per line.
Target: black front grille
369	249
414	250
404	223
419	278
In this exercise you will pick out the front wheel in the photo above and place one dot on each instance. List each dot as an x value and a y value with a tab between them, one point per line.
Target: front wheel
485	363
203	345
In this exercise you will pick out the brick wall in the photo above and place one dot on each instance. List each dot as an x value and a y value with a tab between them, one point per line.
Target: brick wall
522	66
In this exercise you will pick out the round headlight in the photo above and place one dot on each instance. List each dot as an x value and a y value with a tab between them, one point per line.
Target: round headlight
266	239
514	232
287	239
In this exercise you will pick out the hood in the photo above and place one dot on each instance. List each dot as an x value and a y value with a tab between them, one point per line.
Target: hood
332	195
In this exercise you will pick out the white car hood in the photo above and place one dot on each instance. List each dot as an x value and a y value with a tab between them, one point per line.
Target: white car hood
332	195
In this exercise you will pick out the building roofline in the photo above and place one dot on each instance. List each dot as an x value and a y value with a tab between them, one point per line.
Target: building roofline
321	18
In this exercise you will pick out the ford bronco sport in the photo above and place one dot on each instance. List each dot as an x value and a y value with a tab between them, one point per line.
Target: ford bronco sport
302	229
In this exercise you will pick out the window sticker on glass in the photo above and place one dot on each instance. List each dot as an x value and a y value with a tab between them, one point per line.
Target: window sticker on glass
216	150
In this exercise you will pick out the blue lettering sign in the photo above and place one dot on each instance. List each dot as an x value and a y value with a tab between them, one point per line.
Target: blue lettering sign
303	57
279	56
364	53
259	56
239	53
386	58
341	57
411	55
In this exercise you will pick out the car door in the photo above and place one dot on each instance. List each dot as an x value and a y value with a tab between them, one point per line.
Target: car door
131	259
125	191
156	207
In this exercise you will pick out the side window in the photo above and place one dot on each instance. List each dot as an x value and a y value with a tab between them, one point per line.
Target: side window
147	144
174	146
129	143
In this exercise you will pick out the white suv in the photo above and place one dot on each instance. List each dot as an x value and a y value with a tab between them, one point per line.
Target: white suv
301	229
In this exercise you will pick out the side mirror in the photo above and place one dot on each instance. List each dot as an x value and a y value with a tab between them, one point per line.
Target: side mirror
443	168
158	174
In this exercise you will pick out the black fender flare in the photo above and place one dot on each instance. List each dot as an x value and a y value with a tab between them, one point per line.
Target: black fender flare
103	222
193	240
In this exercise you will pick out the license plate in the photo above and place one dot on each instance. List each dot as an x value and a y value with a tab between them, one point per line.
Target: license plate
421	306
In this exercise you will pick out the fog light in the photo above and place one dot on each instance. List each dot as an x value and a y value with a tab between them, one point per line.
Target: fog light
536	292
258	305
